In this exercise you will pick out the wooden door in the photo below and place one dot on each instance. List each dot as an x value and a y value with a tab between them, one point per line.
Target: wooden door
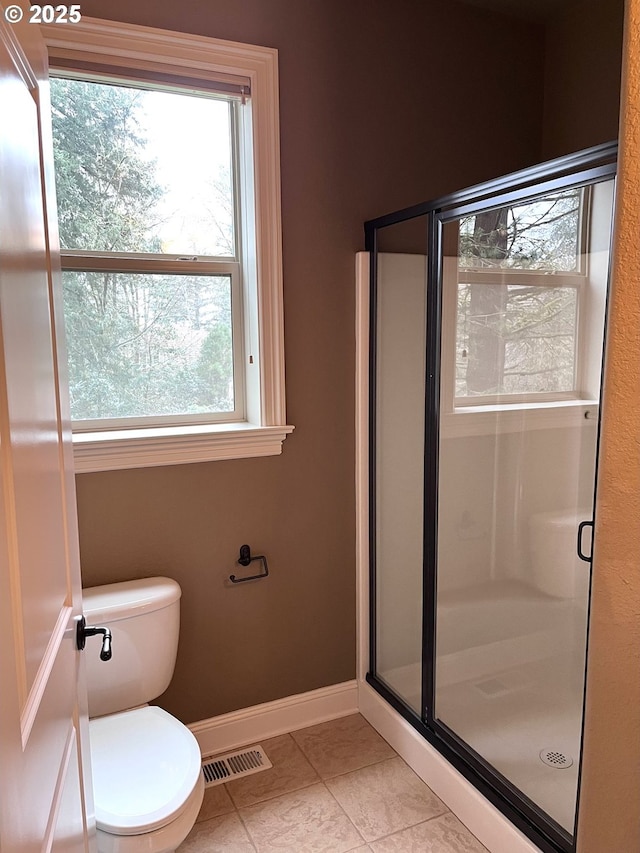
45	793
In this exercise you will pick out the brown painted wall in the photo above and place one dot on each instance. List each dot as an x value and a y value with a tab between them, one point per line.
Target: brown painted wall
582	76
609	814
383	104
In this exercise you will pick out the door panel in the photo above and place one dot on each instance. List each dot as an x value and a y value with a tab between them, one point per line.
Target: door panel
30	386
43	719
68	835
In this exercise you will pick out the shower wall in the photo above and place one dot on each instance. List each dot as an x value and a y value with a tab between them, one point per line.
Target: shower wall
530	461
532	467
534	470
468	493
400	442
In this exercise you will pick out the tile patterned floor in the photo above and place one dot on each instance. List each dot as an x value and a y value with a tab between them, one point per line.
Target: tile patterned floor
333	788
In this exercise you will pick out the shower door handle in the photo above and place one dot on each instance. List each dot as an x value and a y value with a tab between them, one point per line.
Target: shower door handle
581	527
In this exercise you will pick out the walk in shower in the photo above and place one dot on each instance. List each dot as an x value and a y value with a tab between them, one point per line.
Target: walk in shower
487	322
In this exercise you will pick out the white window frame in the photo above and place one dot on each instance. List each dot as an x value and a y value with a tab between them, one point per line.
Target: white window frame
264	427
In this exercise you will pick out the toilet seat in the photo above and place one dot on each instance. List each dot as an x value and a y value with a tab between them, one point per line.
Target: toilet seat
145	766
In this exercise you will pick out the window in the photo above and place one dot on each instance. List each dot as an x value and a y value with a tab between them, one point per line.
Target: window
513	286
147	212
167	175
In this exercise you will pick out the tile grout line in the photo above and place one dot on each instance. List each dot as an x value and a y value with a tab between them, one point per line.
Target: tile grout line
303	756
242	821
320	780
361	842
332	795
270	799
364	767
409	826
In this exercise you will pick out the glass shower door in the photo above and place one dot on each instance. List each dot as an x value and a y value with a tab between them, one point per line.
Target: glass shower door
522	290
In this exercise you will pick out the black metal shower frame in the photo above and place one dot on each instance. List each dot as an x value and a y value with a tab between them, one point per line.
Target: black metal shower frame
583	168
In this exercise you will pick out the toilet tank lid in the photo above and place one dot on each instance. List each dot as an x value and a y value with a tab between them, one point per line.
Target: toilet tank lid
562	518
122	600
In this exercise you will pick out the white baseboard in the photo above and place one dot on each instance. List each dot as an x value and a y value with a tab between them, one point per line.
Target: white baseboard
249	725
479	815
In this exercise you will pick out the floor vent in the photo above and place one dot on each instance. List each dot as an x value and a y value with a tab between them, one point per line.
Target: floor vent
555	758
504	684
493	687
223	768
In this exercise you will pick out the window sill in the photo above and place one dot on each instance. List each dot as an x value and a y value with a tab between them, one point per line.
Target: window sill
114	450
516	417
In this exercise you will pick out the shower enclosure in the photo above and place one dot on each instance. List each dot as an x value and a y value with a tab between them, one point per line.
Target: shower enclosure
487	322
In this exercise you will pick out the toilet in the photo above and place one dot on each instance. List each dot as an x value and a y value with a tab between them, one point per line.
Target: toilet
146	765
556	568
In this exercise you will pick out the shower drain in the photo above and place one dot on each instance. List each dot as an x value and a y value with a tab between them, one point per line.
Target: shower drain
555	758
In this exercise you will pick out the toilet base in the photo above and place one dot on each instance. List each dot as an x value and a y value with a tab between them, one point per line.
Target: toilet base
163	840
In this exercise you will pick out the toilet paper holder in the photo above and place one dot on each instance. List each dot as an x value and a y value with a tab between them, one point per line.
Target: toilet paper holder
245	559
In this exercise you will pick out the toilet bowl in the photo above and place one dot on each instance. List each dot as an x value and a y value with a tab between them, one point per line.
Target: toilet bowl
146	765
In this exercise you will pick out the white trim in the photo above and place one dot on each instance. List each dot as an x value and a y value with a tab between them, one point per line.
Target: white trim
119	45
249	725
362	463
489	825
143	448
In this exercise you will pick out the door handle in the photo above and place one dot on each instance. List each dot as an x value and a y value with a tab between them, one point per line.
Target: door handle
83	631
581	554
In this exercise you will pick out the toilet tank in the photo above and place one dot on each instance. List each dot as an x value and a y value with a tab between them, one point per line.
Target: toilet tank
555	566
144	618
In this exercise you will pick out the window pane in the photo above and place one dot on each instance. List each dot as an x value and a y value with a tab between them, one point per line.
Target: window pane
536	235
515	339
147	344
142	171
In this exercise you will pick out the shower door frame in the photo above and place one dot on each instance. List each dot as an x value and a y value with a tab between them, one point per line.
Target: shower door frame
586	167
